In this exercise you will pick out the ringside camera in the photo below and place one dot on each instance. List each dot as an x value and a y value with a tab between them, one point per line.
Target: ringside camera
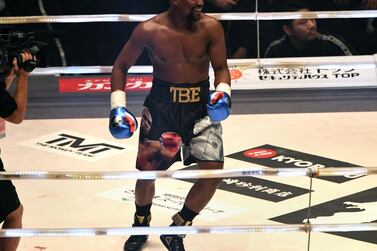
12	44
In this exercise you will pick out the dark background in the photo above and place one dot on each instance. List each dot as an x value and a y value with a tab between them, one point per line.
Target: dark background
99	43
88	44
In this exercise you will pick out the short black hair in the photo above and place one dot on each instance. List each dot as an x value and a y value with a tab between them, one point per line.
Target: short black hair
291	6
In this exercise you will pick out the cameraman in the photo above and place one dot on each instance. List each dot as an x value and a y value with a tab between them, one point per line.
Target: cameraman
12	109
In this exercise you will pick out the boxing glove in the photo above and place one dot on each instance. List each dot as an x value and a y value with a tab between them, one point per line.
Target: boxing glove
219	103
122	123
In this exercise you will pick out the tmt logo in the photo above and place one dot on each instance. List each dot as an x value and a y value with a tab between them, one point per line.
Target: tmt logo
70	141
78	146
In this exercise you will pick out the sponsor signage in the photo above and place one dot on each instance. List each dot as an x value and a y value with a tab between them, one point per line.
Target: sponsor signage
256	74
102	84
360	207
250	74
171	202
77	146
258	188
278	157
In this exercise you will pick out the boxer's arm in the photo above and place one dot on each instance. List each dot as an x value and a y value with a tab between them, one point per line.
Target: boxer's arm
127	57
122	123
218	107
217	53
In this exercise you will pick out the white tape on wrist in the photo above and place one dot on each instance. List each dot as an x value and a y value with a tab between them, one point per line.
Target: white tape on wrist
224	87
118	99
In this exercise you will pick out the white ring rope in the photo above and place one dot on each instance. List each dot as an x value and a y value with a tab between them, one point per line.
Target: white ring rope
69	232
193	174
88	70
339	62
221	16
189	174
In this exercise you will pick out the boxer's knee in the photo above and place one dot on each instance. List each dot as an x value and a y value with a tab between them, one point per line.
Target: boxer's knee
212	182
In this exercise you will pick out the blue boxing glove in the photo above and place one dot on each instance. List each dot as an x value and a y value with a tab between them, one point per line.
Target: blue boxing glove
122	123
218	107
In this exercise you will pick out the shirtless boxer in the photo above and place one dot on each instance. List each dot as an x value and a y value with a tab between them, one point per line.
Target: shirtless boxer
179	114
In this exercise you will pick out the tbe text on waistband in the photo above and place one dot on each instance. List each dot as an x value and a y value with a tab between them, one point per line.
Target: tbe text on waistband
185	94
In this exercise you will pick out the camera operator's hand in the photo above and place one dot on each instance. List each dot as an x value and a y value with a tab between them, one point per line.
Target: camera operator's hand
17	71
20	71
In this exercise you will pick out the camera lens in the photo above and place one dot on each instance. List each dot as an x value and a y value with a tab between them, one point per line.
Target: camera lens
29	65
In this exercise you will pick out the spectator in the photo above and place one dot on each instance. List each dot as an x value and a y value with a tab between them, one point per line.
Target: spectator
361	32
302	38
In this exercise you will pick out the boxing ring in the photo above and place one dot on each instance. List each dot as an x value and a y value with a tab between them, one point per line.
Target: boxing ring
247	74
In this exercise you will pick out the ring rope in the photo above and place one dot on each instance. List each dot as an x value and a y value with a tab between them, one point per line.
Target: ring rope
189	174
220	16
338	62
69	232
87	70
309	210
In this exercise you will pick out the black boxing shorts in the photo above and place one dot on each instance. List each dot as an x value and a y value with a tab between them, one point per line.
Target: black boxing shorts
174	118
8	197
